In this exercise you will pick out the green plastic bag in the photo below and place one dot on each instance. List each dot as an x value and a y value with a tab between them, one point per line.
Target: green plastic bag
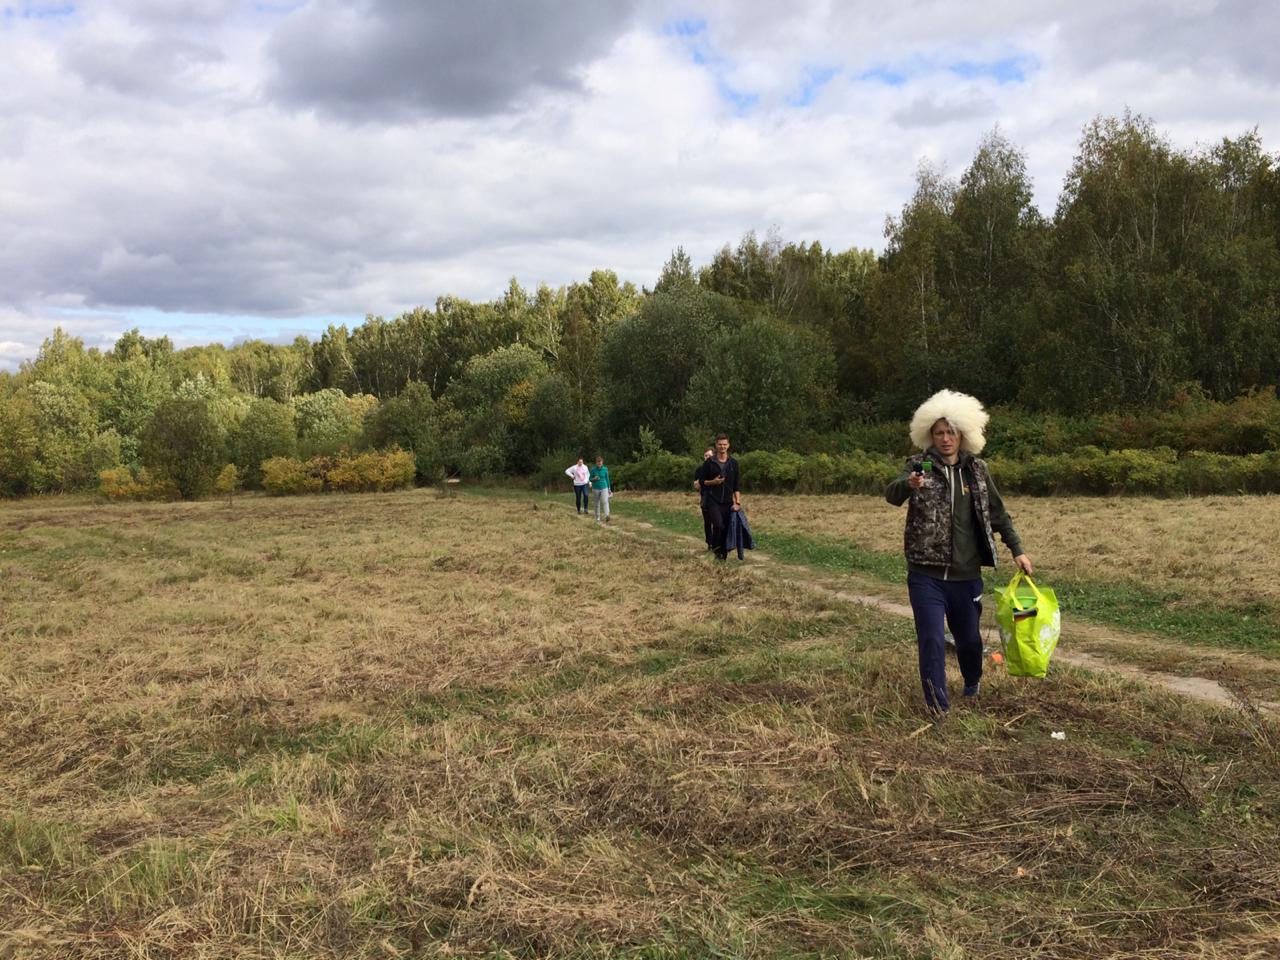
1030	624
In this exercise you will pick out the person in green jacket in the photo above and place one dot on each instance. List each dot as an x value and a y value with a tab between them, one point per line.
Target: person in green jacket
600	490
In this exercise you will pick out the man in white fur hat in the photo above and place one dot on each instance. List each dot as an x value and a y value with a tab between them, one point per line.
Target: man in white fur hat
953	512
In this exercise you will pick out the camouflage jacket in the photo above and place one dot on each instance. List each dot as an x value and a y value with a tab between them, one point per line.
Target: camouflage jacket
928	534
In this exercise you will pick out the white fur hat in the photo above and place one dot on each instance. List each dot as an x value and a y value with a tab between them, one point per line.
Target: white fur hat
963	412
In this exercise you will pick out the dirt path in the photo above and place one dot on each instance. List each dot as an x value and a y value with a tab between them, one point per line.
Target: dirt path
1090	646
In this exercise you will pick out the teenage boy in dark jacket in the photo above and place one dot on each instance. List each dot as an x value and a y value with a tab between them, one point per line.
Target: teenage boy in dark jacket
724	497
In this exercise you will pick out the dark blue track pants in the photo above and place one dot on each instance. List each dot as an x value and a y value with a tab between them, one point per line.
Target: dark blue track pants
960	603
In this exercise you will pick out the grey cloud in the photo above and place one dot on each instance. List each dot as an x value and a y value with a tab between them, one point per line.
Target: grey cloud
182	11
934	111
1238	35
402	59
145	69
240	207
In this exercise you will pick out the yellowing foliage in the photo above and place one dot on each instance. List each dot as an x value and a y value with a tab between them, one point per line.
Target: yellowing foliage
120	483
345	473
228	481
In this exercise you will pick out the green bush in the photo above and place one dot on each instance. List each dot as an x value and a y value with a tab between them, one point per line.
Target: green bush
485	461
888	436
549	474
659	471
766	472
771	472
864	473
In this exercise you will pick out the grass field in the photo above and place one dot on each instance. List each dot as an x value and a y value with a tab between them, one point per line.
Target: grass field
1199	571
402	725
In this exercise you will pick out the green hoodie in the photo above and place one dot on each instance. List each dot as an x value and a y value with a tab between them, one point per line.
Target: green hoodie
600	478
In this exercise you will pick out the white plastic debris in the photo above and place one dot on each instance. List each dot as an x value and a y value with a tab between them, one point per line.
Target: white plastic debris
1059	734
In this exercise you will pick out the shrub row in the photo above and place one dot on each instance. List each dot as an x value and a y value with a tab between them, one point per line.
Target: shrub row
350	473
1158	472
121	483
1089	470
1247	424
767	472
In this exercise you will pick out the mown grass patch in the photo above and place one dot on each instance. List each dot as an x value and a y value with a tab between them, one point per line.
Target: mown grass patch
447	740
1233	622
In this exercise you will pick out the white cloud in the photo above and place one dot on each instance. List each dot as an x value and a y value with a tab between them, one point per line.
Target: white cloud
203	158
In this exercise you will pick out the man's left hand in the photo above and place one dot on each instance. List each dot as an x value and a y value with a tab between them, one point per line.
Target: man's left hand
1023	563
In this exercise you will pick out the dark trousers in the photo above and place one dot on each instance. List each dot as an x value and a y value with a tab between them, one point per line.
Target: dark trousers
707	531
580	497
719	514
959	602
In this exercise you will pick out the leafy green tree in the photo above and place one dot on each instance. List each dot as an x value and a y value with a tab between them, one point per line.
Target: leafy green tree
994	271
210	363
749	272
226	406
158	350
66	426
139	384
912	342
385	355
19	446
332	365
590	310
677	272
1234	320
494	396
647	361
765	383
412	421
64	362
267	430
1122	233
551	421
184	442
269	370
544	322
329	420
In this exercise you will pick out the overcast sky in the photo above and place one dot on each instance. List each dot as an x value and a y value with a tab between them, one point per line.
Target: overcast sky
223	169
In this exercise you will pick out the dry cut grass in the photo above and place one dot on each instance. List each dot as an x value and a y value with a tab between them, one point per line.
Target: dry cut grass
399	725
1205	547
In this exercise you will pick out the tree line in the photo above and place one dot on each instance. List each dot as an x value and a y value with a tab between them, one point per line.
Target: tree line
1157	276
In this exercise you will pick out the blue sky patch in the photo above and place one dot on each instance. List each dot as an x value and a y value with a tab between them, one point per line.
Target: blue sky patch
40	11
684	28
278	9
191	328
695	37
741	102
815	78
1005	70
886	75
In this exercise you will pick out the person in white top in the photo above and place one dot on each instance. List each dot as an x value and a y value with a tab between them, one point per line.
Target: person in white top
580	474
